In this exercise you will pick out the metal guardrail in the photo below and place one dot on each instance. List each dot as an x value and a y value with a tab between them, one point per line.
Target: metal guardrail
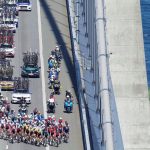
79	74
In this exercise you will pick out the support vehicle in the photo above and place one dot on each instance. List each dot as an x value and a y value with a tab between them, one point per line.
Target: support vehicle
21	90
30	67
24	5
7	42
6	72
8	20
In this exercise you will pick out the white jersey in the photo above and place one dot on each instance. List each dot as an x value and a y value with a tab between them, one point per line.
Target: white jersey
3	109
51	100
3	121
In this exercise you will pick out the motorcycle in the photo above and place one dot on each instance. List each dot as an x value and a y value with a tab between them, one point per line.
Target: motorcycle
51	105
56	87
51	82
68	106
23	109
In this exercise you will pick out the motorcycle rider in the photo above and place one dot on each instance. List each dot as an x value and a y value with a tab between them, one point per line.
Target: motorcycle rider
57	48
56	86
58	53
51	103
52	97
67	101
23	101
68	93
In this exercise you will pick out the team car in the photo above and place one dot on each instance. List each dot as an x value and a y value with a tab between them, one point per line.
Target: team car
30	67
30	71
9	49
24	5
6	73
7	42
21	90
7	85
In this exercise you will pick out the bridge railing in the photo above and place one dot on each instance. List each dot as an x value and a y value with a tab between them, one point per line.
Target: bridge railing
79	74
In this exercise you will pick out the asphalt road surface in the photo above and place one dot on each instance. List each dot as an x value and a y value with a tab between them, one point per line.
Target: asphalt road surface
40	30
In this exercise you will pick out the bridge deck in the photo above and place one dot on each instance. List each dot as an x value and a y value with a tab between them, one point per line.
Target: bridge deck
128	71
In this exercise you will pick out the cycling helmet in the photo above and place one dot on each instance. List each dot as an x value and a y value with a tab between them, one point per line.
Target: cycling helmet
57	47
67	96
68	91
53	116
60	120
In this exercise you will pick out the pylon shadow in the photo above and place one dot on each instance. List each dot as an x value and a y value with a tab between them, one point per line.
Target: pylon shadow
60	41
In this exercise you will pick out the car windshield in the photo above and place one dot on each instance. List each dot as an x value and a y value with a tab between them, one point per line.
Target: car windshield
8	22
30	68
21	90
11	5
5	46
23	1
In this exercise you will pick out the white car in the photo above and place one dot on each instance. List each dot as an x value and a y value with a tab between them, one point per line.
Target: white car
8	49
24	5
9	24
16	97
9	52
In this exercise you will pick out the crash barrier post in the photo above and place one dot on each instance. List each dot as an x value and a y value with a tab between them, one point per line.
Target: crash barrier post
79	75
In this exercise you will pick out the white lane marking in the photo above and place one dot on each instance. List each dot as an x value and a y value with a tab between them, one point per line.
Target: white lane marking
6	146
42	62
41	58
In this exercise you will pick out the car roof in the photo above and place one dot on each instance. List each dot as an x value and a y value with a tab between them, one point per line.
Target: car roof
23	1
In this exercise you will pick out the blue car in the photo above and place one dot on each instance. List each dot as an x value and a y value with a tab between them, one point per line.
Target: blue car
68	106
30	71
24	5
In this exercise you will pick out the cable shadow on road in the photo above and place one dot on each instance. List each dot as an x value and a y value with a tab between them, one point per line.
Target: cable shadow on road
60	41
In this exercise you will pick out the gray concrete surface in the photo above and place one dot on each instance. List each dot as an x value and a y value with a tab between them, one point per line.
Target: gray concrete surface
128	72
55	30
26	38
